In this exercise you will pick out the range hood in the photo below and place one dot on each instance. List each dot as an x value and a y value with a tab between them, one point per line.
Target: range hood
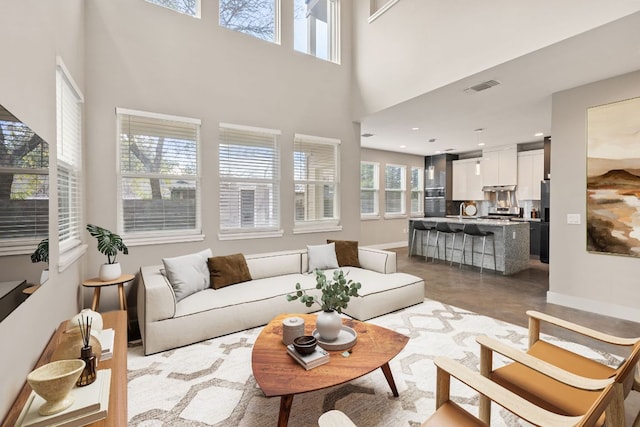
498	188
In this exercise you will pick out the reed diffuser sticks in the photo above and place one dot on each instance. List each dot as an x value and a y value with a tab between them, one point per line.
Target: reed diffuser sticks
86	353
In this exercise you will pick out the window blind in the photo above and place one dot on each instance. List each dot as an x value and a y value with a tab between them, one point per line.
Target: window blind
249	170
394	189
316	179
69	165
158	173
369	178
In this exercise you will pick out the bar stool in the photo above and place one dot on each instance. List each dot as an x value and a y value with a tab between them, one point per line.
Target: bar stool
421	227
473	231
445	229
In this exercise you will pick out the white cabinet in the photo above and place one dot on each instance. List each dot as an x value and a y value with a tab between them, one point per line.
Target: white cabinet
467	184
500	166
530	173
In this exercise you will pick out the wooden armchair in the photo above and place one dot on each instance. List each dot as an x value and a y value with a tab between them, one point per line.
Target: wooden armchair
549	393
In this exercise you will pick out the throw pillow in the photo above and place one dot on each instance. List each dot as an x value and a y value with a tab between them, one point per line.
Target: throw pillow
188	274
346	252
322	257
228	270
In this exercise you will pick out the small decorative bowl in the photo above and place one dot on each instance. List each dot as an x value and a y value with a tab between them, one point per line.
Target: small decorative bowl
53	382
305	344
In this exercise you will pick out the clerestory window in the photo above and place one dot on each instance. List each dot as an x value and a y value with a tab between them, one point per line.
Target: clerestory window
317	28
187	7
257	18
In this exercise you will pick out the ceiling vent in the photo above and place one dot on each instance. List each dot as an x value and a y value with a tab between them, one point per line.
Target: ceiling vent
482	86
367	135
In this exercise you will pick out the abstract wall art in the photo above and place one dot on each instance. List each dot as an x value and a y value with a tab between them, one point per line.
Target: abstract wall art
613	178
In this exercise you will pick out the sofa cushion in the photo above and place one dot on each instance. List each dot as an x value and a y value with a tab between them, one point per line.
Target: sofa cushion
228	270
322	257
188	273
346	252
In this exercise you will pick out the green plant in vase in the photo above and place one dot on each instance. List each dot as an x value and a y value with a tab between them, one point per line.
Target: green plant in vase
41	254
335	295
109	244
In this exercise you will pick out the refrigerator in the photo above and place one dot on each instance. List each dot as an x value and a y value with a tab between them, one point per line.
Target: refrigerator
545	188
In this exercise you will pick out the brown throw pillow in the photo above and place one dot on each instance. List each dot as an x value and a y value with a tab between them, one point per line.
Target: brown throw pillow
346	252
228	270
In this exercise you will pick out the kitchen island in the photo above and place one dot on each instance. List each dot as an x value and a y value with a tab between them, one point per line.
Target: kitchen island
511	243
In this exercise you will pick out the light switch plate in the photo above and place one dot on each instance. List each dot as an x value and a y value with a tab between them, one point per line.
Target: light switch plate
573	219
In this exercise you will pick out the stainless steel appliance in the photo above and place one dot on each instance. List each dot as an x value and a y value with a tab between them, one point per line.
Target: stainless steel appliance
503	200
545	192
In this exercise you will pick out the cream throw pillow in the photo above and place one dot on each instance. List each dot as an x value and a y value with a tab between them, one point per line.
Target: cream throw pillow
322	257
188	274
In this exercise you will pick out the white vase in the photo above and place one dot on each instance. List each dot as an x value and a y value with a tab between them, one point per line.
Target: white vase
96	319
44	276
109	272
329	324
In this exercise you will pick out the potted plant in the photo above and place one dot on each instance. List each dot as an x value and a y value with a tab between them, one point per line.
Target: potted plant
335	295
41	254
109	244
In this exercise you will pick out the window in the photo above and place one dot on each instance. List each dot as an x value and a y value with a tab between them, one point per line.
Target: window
249	182
317	28
316	179
24	185
159	176
416	191
188	7
69	128
369	179
257	18
394	189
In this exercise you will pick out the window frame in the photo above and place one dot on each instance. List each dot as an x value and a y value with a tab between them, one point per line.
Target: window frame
276	179
402	190
375	190
419	190
158	236
319	225
375	12
333	34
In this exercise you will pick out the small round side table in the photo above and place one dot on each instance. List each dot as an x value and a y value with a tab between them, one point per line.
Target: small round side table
97	284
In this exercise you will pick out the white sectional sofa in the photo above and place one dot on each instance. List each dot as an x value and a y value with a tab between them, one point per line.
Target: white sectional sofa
165	323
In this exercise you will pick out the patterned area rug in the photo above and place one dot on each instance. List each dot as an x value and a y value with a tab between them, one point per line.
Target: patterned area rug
211	383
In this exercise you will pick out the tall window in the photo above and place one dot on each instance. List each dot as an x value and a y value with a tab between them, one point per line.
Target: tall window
369	185
24	184
416	191
317	28
394	190
188	7
69	135
316	178
249	181
257	18
159	179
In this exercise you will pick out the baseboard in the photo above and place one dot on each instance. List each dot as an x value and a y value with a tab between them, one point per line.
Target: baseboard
392	245
598	307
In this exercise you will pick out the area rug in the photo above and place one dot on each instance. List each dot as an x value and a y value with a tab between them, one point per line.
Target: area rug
211	383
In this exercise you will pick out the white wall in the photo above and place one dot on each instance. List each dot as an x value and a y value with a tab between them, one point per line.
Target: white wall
605	284
198	69
34	33
388	232
420	45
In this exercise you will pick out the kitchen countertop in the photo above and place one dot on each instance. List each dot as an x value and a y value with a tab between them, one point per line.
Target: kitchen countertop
456	219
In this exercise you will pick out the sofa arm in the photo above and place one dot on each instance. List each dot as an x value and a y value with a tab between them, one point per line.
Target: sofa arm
156	296
377	260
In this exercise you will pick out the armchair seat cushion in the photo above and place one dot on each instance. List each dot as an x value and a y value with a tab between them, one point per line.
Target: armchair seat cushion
450	414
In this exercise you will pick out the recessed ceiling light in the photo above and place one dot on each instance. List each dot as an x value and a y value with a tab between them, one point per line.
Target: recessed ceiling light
438	152
403	146
539	134
415	128
481	144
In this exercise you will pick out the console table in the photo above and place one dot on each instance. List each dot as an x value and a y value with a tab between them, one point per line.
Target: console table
117	413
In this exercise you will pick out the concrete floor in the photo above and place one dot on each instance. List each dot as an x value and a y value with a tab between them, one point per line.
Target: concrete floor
507	297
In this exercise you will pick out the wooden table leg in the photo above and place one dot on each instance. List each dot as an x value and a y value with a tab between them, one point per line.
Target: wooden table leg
285	409
95	303
121	295
389	376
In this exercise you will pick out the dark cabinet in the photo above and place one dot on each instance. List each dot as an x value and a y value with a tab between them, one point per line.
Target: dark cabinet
437	183
534	238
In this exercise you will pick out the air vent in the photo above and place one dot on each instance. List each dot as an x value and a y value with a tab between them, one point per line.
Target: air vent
367	135
482	86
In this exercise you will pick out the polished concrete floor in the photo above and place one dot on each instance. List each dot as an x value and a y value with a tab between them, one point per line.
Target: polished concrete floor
507	297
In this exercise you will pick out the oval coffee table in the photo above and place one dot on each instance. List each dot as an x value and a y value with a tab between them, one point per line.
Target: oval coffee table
278	374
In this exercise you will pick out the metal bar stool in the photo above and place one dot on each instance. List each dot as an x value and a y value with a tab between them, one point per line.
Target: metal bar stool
445	229
421	227
473	231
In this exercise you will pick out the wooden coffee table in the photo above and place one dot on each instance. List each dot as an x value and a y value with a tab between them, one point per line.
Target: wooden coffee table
278	374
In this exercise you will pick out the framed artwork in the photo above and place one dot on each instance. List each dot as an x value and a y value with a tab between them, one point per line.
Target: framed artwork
613	178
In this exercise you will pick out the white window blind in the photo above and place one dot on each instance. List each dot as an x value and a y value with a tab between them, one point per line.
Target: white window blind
394	189
316	179
24	183
249	179
159	176
69	150
369	187
416	190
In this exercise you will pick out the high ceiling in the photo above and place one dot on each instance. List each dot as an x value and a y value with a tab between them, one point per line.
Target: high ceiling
515	110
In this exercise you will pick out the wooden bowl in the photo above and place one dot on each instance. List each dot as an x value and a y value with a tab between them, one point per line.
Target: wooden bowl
305	344
53	382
